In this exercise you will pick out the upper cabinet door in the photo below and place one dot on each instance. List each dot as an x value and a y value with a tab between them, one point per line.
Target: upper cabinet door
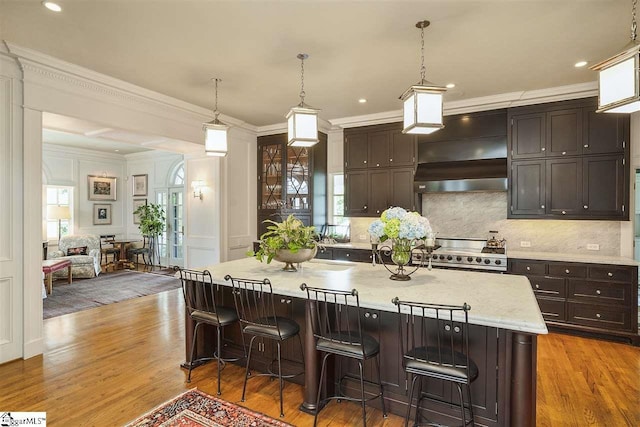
403	149
356	193
564	186
402	189
528	135
356	150
604	133
564	132
379	149
527	188
604	186
270	176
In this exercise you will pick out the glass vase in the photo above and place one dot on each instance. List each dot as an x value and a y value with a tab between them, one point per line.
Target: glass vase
400	255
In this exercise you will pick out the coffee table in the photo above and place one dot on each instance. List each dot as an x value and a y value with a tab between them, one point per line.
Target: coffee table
51	265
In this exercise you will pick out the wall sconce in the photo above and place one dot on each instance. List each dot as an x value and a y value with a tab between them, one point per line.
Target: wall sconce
197	189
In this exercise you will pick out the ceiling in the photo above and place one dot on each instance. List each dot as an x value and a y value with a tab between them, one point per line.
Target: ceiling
76	133
357	49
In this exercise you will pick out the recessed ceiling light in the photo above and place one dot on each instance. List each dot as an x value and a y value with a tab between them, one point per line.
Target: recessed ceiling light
580	64
362	101
116	150
52	6
450	85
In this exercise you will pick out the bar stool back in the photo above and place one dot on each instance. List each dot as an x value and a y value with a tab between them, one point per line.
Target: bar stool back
255	305
435	343
338	331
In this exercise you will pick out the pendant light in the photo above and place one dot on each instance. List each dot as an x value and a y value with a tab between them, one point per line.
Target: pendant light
302	120
215	141
422	103
618	88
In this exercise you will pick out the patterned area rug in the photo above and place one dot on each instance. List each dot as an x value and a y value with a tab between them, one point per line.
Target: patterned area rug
194	408
121	285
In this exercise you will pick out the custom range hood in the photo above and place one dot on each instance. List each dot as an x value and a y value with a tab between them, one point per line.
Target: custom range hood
469	154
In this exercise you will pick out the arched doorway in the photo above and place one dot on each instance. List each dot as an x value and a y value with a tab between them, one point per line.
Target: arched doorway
171	242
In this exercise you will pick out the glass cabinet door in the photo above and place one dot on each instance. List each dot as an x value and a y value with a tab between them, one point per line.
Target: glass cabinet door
298	178
271	192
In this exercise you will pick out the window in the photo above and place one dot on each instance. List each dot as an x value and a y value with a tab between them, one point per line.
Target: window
59	219
337	200
178	177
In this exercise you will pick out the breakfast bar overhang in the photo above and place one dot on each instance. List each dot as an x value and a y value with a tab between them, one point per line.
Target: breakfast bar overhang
504	320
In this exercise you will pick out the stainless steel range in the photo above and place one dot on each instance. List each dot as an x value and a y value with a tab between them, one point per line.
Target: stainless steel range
465	254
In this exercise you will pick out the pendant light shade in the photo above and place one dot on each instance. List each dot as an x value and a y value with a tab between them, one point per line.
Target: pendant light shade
302	120
215	139
422	109
422	103
618	87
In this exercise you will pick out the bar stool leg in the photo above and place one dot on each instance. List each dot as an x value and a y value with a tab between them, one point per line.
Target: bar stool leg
280	382
193	347
246	372
364	404
322	370
464	415
219	353
384	410
408	415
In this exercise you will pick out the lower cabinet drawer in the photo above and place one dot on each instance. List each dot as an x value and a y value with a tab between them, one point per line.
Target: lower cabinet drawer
599	316
567	270
324	253
620	274
548	286
600	292
552	310
355	255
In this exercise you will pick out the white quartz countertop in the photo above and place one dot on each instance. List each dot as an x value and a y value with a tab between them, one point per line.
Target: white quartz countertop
352	245
496	300
564	257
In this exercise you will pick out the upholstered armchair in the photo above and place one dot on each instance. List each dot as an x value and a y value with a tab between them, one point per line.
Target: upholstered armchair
84	253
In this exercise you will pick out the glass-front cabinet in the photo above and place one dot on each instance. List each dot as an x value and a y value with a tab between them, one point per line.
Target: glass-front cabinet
287	179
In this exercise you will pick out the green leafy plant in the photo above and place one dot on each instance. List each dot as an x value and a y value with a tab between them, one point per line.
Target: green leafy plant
289	234
152	219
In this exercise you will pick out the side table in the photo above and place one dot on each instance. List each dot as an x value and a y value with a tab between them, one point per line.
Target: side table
51	265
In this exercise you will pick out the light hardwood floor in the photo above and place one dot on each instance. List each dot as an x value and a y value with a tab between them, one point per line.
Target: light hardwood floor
107	366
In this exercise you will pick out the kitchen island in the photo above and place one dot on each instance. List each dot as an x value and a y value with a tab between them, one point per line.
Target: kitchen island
504	318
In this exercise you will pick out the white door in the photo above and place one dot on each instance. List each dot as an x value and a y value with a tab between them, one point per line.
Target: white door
175	226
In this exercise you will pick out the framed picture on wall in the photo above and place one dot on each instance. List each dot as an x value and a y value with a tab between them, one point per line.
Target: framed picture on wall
101	187
136	204
139	185
101	213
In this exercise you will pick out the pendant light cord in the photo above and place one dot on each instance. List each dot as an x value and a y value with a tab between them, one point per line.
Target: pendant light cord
423	70
634	26
302	93
216	113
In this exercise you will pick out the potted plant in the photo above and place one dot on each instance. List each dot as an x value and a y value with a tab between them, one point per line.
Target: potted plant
289	241
152	224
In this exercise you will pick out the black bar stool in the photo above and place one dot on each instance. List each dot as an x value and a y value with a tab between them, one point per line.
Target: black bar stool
434	342
254	301
200	300
340	333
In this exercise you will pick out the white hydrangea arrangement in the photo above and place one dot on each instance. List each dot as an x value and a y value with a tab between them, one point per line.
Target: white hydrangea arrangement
397	223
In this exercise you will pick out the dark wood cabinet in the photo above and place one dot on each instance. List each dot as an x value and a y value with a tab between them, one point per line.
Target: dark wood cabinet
528	194
379	169
564	186
291	180
566	161
596	299
604	186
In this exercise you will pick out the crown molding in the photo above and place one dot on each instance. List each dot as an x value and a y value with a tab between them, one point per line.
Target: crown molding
80	153
32	61
484	103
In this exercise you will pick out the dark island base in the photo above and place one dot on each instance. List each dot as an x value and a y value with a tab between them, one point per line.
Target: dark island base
503	395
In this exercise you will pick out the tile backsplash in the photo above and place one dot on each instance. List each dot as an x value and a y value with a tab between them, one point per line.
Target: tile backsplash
474	214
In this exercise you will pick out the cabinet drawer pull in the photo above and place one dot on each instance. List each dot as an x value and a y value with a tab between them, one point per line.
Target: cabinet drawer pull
282	301
367	315
288	301
567	271
365	162
537	286
544	149
377	164
564	212
374	316
586	145
586	206
528	268
378	211
598	291
348	255
598	315
364	207
564	152
391	160
541	206
610	274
